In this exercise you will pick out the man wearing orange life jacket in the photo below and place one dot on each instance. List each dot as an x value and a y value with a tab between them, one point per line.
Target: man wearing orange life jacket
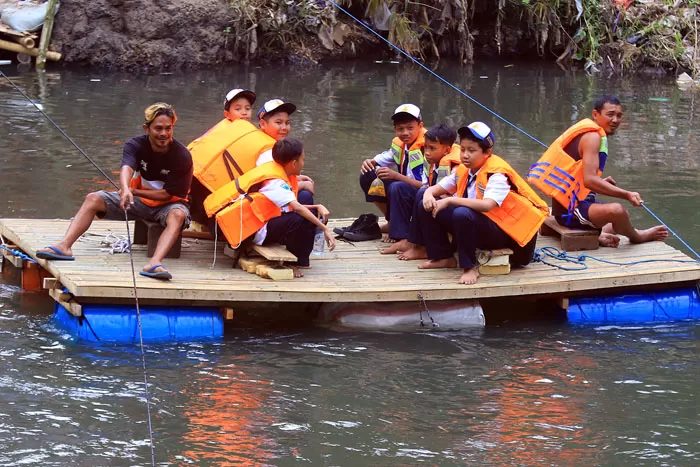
442	158
267	209
570	171
492	208
158	194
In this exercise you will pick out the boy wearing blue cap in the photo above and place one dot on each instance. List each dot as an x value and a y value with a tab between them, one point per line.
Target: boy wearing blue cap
274	120
403	162
492	207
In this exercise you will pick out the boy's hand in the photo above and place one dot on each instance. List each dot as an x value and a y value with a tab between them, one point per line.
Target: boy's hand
304	178
323	213
385	173
634	198
368	165
428	202
440	205
330	239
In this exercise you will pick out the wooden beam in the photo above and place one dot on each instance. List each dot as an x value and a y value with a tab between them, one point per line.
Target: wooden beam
12	47
46	35
67	301
51	283
12	259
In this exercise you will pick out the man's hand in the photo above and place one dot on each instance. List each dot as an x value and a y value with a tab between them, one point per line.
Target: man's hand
441	204
330	239
385	173
634	198
126	198
323	213
611	181
428	202
368	165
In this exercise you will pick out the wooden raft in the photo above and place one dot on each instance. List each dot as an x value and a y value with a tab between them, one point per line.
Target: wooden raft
351	273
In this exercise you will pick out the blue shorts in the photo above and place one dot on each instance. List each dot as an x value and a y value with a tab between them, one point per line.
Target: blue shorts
579	219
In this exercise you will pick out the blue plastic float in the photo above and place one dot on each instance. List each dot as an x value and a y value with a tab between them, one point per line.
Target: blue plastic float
650	307
118	323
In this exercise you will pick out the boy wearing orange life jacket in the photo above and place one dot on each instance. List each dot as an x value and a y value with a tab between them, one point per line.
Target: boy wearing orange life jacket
274	120
441	157
570	171
277	216
403	162
492	208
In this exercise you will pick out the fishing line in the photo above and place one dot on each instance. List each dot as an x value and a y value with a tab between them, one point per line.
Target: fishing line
131	259
492	112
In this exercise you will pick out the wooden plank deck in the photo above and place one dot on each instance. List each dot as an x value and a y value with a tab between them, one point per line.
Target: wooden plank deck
351	273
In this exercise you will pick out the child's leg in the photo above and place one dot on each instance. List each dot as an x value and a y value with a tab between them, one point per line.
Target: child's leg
401	199
305	197
295	232
416	244
435	234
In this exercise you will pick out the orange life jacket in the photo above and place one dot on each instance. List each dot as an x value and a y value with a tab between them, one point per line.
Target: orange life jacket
137	183
227	151
445	165
558	175
522	212
240	209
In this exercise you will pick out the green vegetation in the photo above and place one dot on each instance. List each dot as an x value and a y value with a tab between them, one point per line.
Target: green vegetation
617	35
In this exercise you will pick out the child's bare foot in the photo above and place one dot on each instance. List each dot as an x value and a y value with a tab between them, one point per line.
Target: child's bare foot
297	271
653	234
609	240
416	252
387	239
439	264
384	228
401	245
470	276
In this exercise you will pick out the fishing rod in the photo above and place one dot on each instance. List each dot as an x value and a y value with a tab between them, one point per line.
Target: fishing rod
492	112
131	257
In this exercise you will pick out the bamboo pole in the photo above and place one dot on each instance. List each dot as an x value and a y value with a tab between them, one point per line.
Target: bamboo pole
46	35
13	47
26	41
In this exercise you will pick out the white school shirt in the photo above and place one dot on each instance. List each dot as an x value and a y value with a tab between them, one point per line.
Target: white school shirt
386	159
264	157
497	188
279	192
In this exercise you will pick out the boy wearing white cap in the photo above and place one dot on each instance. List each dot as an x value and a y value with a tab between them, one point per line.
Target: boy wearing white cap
238	103
403	162
492	207
274	120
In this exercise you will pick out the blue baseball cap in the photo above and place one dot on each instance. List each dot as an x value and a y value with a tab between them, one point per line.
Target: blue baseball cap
480	131
276	105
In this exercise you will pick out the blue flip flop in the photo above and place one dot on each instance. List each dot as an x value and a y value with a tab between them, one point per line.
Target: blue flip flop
56	255
162	275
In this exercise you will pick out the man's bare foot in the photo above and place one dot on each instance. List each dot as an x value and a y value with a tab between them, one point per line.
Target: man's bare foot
384	228
297	271
658	233
387	239
446	263
416	252
470	276
401	245
609	240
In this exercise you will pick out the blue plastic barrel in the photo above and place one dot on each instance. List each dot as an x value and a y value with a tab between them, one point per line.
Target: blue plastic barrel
656	306
118	323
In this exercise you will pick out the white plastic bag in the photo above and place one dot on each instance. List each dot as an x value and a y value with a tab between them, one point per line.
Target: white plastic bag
26	16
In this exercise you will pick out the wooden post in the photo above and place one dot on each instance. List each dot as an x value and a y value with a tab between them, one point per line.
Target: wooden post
46	35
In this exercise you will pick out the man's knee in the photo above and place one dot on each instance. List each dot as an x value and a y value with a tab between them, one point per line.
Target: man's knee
176	216
94	200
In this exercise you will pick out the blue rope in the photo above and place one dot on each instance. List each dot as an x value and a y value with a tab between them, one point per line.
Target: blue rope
18	254
397	48
542	253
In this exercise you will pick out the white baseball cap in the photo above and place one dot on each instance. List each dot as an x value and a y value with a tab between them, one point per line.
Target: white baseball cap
276	105
480	131
408	109
236	93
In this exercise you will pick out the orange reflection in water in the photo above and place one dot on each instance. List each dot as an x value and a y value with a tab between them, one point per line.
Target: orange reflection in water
226	424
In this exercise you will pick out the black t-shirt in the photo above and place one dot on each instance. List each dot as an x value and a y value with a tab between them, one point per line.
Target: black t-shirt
173	168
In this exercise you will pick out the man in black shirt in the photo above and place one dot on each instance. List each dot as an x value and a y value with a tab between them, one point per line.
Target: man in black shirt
158	193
